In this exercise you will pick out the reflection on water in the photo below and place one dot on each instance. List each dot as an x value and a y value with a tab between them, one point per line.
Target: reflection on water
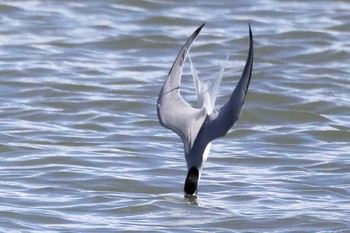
81	146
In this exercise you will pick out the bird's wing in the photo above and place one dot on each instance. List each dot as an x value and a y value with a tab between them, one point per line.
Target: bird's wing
173	111
221	120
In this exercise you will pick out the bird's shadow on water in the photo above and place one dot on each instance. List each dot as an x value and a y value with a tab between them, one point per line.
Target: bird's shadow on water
193	200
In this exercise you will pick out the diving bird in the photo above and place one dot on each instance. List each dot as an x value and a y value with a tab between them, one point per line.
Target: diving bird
199	126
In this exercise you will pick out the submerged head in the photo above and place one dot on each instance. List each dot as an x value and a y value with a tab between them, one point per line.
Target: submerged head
191	182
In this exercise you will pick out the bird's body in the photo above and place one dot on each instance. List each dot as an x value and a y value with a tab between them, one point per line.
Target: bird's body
198	127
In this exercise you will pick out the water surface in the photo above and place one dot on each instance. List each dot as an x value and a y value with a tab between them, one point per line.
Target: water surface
81	148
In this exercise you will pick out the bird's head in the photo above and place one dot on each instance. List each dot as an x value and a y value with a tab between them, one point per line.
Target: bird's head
191	182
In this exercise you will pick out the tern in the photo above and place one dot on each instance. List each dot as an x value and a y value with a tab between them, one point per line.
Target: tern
199	126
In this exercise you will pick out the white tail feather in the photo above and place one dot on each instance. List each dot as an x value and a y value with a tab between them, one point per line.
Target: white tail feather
207	90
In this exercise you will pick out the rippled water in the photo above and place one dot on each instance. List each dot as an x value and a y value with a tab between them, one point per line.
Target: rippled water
81	146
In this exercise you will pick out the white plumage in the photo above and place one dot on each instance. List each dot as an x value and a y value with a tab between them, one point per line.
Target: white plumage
198	126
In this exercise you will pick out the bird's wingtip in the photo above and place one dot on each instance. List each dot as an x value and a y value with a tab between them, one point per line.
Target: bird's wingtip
250	32
200	27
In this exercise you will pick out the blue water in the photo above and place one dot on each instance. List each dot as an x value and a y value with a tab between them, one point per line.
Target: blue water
81	148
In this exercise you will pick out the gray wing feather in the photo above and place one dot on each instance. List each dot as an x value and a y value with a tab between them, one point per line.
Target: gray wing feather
220	121
174	112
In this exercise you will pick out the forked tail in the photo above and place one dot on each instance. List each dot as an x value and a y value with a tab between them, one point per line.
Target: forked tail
207	90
